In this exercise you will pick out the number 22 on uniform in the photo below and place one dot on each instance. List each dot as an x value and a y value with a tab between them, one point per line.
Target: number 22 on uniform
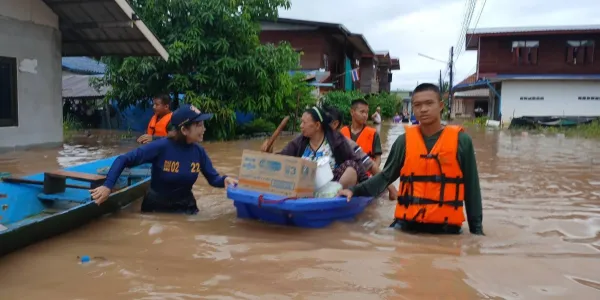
195	167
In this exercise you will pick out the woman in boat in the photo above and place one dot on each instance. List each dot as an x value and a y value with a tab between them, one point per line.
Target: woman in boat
319	140
176	162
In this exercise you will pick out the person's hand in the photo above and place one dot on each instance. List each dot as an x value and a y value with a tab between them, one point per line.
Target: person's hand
345	193
100	194
144	139
230	181
265	147
393	193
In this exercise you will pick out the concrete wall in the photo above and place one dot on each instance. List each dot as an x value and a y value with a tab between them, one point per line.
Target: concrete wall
29	32
560	98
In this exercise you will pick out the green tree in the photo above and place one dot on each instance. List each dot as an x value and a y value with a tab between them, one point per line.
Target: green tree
215	59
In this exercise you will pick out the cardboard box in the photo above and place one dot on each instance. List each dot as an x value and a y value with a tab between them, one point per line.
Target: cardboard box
277	174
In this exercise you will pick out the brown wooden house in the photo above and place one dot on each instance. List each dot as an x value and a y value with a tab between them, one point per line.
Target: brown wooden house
327	45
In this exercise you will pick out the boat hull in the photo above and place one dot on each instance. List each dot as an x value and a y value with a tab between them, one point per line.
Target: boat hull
34	218
303	212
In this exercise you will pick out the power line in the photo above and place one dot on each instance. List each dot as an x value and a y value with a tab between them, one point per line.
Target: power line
466	23
461	43
475	27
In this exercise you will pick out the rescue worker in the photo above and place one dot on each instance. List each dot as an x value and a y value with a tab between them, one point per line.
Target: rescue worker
159	125
368	164
176	162
366	137
437	170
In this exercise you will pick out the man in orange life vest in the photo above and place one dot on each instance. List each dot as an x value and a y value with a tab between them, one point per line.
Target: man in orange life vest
366	137
160	124
437	170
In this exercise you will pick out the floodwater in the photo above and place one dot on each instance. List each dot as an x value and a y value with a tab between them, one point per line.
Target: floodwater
541	216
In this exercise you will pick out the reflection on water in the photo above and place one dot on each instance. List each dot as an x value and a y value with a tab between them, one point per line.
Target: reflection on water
541	217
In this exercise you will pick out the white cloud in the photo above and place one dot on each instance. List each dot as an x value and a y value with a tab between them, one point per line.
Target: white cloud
432	27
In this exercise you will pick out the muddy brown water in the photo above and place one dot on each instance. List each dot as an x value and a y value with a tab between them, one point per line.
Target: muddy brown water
541	216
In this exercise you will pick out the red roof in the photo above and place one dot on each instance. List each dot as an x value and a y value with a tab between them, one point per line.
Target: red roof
470	79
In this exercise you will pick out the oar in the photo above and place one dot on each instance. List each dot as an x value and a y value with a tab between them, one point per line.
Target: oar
276	133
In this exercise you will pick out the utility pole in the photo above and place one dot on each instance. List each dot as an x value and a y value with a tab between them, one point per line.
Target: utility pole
441	83
451	62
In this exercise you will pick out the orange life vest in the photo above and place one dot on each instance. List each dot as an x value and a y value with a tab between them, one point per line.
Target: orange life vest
159	128
432	186
364	140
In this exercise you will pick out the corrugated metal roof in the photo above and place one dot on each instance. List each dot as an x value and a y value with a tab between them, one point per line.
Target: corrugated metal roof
533	29
83	64
473	93
318	76
78	86
103	28
470	79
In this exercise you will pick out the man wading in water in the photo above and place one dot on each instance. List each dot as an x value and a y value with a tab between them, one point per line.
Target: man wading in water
437	170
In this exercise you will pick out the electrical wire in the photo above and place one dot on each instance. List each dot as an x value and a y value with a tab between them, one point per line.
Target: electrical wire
475	27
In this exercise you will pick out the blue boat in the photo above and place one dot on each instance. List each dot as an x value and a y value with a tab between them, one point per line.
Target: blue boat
300	212
42	205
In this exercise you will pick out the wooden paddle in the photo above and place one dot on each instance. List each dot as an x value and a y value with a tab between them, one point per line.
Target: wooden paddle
268	145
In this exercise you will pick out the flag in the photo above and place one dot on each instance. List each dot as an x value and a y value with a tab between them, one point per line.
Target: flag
355	76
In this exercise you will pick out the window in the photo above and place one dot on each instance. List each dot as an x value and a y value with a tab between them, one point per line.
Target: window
588	98
529	98
525	52
326	62
580	52
8	92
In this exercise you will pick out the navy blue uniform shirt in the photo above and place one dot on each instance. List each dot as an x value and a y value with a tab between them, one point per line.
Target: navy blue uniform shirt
175	166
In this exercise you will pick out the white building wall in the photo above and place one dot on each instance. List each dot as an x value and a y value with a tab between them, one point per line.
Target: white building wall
560	98
29	32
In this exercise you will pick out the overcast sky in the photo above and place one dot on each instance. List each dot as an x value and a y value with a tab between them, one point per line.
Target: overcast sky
408	27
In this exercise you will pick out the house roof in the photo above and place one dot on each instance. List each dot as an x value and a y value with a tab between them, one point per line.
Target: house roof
316	75
473	93
473	35
103	28
337	30
78	86
470	79
83	65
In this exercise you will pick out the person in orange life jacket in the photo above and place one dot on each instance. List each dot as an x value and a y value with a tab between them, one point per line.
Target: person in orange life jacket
368	164
319	140
437	170
160	123
176	162
366	137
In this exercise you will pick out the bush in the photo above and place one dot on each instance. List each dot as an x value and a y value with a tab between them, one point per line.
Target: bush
386	101
343	100
257	126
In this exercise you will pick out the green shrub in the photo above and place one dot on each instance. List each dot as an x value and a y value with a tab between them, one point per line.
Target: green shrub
257	126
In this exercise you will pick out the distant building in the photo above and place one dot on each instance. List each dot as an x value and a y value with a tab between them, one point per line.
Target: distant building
33	44
536	71
464	103
332	48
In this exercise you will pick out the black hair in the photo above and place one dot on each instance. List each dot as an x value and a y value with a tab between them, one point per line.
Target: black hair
356	102
164	99
335	115
178	136
319	115
424	87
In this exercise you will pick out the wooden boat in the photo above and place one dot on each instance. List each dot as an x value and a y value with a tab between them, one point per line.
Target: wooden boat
43	205
300	212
